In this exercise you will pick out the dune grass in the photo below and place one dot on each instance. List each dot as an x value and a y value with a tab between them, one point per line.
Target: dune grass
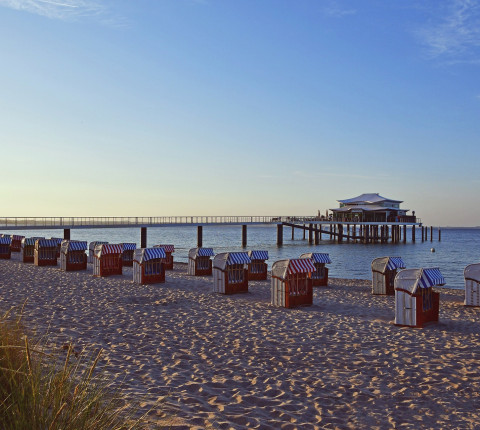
41	390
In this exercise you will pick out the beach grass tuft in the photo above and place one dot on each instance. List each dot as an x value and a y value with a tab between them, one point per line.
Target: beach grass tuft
42	390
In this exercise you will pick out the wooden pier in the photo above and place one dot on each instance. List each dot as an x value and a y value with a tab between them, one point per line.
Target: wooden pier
317	229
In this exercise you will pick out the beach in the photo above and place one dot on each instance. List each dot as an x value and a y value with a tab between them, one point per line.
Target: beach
203	360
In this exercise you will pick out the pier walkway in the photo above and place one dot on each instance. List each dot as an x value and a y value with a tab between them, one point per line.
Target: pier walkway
364	232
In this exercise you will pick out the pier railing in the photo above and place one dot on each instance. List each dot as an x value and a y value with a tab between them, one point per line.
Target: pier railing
61	222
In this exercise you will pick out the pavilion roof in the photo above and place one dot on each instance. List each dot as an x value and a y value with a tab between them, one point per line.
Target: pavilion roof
368	198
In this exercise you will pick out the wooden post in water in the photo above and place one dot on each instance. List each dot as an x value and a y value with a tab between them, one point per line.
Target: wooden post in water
293	232
310	233
316	235
439	234
413	233
143	237
244	235
279	234
340	233
199	236
304	231
66	233
405	233
423	233
431	233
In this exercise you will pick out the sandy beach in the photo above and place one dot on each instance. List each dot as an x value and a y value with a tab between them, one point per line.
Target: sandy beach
205	360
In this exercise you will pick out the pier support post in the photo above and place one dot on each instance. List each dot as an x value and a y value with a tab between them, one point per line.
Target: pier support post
293	232
431	233
310	233
413	233
316	235
279	234
303	231
66	233
199	236
143	237
404	234
439	234
340	233
244	235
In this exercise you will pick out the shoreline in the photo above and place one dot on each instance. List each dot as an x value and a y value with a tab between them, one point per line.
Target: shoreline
235	361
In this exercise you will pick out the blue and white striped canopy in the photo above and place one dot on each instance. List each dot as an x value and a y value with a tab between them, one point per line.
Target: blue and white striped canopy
146	254
238	258
46	243
431	277
57	240
320	257
205	252
395	263
5	240
129	246
258	255
77	246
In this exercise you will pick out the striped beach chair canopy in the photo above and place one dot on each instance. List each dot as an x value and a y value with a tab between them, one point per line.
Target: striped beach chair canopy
200	252
73	245
57	240
30	241
410	280
382	264
146	254
108	248
45	243
167	248
224	259
317	257
472	272
5	240
129	246
258	255
16	237
93	244
282	268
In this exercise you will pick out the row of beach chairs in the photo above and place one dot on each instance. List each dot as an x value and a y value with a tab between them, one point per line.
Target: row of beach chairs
292	280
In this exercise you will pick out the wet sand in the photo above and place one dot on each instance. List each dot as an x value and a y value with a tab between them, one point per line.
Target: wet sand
204	360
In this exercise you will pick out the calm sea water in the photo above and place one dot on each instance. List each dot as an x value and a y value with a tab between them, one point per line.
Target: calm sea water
457	249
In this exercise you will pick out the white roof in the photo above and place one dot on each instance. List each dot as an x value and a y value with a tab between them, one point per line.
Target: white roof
472	271
411	279
369	198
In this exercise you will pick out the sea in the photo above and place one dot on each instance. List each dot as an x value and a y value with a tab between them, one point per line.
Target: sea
458	247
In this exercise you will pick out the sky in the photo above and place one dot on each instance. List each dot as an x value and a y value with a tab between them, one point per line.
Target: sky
239	107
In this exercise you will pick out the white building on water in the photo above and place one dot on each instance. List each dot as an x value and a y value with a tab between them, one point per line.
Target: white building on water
371	207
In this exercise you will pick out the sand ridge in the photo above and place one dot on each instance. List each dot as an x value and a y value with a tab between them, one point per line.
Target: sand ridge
237	362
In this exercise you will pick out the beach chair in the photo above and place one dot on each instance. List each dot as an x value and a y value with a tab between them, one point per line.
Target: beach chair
149	266
5	247
127	255
291	283
73	256
199	261
107	259
45	252
257	269
416	304
320	275
230	272
472	284
169	250
384	270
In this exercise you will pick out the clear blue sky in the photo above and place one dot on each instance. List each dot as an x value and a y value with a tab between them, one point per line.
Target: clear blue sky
242	107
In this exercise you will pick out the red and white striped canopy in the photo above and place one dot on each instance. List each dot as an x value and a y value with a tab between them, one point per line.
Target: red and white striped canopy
108	248
301	265
167	248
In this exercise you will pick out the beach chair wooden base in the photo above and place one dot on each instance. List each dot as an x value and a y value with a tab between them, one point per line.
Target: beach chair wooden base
239	287
45	262
6	256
